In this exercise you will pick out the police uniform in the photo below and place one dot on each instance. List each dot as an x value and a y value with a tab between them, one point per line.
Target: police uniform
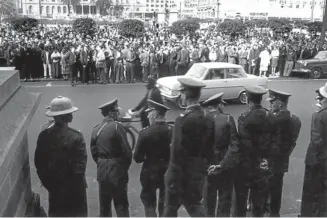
112	154
60	161
314	194
191	153
226	148
153	150
256	129
288	127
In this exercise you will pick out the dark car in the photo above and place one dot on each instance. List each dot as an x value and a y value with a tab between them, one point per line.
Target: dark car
314	67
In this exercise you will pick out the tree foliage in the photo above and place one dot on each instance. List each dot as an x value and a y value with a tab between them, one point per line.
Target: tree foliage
314	26
85	26
184	27
131	28
23	23
280	25
232	27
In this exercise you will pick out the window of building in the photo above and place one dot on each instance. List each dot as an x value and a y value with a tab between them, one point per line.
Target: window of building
152	9
59	10
47	9
30	9
64	10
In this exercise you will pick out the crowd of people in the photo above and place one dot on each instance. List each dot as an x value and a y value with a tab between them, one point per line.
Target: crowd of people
59	52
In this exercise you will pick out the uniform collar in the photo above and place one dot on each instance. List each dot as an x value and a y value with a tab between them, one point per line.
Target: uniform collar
193	107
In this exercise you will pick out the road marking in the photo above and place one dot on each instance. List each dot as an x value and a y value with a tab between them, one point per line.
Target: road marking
49	84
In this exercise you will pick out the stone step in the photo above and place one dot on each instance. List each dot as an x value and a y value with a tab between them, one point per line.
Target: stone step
9	83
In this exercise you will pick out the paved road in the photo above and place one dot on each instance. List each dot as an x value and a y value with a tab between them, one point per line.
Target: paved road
88	97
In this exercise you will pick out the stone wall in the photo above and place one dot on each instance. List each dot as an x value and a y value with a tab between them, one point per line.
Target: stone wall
17	107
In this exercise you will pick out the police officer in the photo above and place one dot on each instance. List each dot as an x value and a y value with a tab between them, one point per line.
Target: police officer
113	156
256	128
191	153
226	148
60	160
153	93
314	192
153	149
288	128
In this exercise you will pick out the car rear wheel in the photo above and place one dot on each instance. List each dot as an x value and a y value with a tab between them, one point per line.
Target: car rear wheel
243	97
316	73
181	102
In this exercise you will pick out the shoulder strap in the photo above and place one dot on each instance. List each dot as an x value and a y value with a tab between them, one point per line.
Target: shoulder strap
101	128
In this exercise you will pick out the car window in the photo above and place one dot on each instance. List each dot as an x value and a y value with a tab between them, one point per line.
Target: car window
321	55
235	73
214	74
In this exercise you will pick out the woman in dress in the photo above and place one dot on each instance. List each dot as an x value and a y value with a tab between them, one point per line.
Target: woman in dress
264	62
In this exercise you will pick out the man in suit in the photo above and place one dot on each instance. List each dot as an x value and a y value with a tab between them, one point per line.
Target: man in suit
203	52
183	60
314	194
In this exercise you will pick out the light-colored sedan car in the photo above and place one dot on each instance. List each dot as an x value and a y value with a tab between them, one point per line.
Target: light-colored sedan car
218	77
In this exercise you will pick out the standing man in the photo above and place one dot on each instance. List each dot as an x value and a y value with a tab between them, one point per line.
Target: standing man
113	156
191	154
256	129
153	93
60	161
290	60
226	148
314	192
288	128
153	149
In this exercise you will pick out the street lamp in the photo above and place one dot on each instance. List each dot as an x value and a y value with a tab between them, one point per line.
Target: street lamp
218	3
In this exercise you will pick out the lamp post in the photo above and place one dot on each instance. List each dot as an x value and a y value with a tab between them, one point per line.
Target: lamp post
218	3
323	29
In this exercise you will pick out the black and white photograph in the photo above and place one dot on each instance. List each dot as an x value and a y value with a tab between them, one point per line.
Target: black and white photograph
163	108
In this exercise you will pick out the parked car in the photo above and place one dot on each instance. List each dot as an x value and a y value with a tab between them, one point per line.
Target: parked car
218	77
314	67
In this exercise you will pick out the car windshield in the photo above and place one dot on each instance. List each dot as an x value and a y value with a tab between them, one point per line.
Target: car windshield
235	73
321	55
196	71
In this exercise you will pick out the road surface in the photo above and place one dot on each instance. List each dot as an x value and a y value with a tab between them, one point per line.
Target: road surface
88	97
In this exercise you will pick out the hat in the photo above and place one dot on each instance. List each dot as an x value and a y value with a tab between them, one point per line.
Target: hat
323	91
274	95
109	105
217	98
60	106
255	90
153	105
190	83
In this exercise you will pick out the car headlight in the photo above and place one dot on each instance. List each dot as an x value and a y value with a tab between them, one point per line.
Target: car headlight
305	64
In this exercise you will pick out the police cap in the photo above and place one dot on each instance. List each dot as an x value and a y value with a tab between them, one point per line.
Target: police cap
215	99
189	83
275	94
255	90
111	105
153	105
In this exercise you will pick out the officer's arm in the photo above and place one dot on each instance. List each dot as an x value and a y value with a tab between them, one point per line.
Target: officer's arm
296	131
41	161
245	138
317	135
81	156
176	152
231	158
94	149
139	153
126	149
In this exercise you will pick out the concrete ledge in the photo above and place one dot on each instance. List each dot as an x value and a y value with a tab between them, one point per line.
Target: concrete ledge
9	83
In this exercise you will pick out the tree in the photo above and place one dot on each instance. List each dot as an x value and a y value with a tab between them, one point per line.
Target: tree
280	25
185	27
300	24
314	27
85	26
131	28
71	3
232	27
7	7
118	10
23	24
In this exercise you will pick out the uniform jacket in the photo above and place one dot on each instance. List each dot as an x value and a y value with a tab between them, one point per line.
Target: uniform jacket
317	152
288	128
191	153
152	94
226	144
111	151
60	158
153	149
256	128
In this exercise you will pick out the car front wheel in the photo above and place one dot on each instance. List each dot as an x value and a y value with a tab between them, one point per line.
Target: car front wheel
316	73
243	97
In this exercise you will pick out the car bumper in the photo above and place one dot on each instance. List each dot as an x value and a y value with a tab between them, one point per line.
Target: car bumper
169	97
301	70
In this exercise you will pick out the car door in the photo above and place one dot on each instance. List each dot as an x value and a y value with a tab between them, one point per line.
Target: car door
236	80
215	82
